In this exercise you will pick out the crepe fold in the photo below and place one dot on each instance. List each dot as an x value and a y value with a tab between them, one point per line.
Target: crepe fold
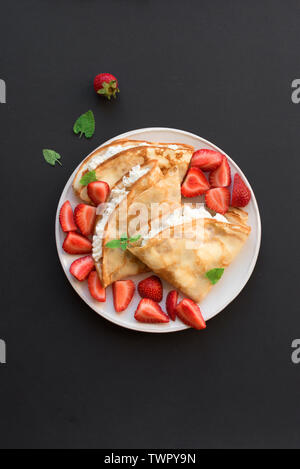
153	188
131	153
202	247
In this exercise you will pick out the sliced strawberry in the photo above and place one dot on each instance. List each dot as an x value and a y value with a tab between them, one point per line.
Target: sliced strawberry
218	199
85	218
96	289
123	291
66	218
172	300
207	160
221	177
98	192
241	194
150	312
151	288
77	244
190	314
195	183
82	267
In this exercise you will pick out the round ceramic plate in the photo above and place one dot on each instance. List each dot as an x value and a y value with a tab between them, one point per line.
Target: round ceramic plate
232	282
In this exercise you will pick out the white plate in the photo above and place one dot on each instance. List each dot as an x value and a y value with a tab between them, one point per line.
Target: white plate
233	281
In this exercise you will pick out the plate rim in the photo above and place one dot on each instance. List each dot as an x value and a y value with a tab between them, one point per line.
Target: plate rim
147	327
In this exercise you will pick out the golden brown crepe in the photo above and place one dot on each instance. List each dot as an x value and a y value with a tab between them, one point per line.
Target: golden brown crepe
132	153
152	176
185	262
117	264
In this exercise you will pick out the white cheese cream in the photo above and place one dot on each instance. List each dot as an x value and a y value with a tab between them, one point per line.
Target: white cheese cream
182	215
114	150
116	197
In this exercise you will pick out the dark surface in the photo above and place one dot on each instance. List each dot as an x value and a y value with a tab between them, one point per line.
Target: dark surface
222	70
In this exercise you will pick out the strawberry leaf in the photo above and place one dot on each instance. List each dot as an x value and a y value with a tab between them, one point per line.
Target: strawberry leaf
88	177
214	275
85	124
109	89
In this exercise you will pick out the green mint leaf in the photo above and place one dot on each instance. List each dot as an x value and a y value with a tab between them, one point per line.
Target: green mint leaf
134	239
114	244
85	124
214	275
88	177
122	242
52	157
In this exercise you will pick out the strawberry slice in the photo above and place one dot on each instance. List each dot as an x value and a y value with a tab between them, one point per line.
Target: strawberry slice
190	314
149	311
98	192
75	243
195	183
171	303
96	289
123	291
241	194
85	218
207	160
221	177
66	218
82	267
151	288
218	199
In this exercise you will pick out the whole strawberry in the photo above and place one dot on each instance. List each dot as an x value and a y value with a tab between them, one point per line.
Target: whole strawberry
106	85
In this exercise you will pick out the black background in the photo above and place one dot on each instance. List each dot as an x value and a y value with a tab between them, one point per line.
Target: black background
220	69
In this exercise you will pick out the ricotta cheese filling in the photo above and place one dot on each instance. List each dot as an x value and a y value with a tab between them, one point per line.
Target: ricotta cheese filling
116	197
179	217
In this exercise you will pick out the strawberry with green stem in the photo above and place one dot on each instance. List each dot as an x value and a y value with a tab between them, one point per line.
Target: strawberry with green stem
106	84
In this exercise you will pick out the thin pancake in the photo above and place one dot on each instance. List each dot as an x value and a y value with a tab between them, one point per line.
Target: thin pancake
134	265
114	168
184	265
118	264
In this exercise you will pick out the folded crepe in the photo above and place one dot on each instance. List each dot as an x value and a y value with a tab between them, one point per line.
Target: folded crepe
183	254
114	161
153	188
138	179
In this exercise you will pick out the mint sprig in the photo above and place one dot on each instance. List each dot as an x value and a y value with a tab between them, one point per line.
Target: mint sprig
122	243
52	157
214	275
85	124
88	177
